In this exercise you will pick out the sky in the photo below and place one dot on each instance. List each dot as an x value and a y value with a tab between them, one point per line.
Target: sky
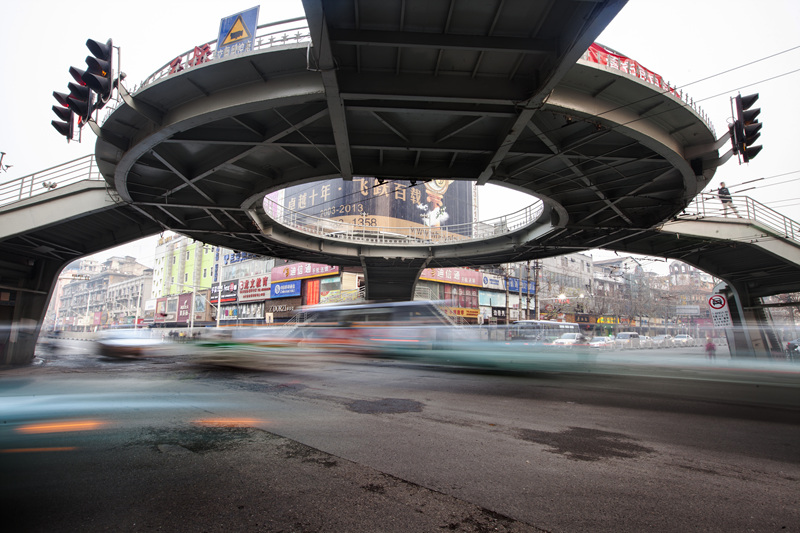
713	49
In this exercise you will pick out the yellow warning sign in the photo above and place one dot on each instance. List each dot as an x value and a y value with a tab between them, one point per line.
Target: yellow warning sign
238	32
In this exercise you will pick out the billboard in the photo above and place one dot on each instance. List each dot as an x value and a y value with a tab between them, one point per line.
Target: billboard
373	203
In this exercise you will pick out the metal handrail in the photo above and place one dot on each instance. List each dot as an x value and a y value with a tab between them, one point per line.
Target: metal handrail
81	169
709	205
274	35
410	235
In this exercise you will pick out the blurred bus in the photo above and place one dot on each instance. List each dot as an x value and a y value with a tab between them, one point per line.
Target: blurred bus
542	331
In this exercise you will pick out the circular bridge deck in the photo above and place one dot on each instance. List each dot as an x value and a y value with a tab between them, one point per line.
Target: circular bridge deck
429	94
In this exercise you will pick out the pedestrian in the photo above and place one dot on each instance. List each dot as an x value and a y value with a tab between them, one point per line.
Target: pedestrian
727	200
711	348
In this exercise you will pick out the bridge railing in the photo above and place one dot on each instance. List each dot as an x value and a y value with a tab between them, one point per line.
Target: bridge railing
271	35
363	228
81	169
709	205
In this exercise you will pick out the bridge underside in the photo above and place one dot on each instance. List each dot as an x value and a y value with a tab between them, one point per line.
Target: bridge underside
748	256
40	236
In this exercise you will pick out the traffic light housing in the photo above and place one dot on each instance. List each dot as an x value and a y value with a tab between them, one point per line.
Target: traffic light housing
98	74
64	126
80	96
745	129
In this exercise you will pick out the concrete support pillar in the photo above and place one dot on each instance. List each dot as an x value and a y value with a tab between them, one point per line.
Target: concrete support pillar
385	283
751	334
30	306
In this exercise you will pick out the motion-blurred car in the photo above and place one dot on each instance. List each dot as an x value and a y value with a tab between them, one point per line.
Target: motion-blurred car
570	339
601	343
662	341
627	340
684	340
128	342
645	341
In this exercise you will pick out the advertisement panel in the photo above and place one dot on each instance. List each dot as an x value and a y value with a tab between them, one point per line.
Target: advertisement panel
373	203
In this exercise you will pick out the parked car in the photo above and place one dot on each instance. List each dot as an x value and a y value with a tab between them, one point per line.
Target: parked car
662	341
627	340
684	340
645	341
570	339
601	343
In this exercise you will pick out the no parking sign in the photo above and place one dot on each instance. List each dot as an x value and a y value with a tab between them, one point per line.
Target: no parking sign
720	312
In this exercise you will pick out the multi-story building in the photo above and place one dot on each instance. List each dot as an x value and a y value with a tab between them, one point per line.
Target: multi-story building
82	305
126	299
183	265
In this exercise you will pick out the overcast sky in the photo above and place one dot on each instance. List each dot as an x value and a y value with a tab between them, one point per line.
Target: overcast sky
683	41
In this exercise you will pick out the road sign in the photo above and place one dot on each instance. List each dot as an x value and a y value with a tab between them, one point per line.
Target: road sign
720	312
236	34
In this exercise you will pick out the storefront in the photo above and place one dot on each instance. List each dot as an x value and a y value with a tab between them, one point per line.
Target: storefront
458	287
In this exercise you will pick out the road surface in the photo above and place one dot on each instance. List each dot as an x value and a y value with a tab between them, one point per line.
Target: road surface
330	443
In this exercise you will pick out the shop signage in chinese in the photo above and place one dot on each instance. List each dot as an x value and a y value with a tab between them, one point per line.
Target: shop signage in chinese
301	271
456	276
238	257
285	289
491	281
607	320
254	288
229	292
463	311
499	312
184	305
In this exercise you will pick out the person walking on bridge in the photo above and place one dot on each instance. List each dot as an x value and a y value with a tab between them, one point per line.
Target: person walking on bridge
727	201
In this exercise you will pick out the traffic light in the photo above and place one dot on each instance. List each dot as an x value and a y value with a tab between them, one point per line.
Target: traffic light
80	96
98	72
745	127
64	126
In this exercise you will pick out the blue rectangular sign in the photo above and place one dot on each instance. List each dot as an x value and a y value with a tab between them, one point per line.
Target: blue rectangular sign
237	34
286	289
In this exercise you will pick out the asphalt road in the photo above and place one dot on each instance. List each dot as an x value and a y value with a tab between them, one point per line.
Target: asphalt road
345	444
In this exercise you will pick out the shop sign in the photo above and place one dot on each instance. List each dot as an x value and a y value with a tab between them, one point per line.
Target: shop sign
499	312
255	288
286	289
463	311
301	271
229	292
455	276
184	307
